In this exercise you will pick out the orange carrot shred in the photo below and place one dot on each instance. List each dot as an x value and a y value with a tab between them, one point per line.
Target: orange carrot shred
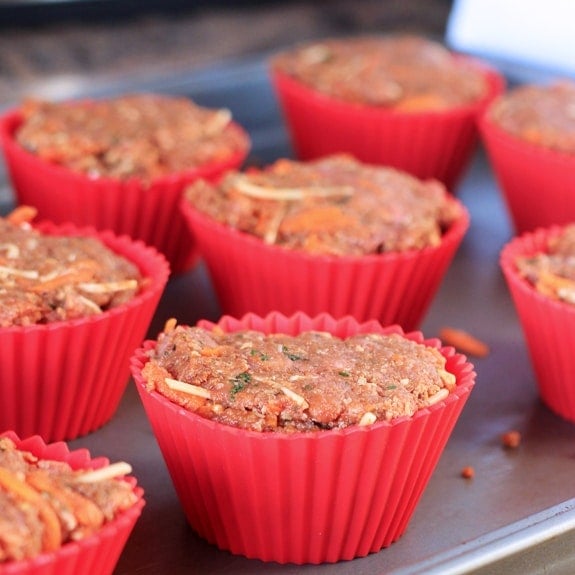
52	534
463	341
22	214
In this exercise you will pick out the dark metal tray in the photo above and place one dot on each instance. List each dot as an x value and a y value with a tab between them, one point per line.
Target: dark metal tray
517	515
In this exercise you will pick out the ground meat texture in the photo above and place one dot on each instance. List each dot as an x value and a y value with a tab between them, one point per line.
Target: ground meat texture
111	497
138	135
14	459
44	279
400	72
335	205
552	272
308	382
540	114
20	529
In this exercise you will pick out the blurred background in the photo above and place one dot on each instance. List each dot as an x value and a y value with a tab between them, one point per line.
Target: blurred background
64	48
215	51
212	51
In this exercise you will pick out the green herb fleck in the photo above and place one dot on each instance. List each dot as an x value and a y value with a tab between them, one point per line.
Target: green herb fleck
307	387
390	387
343	373
263	356
240	381
289	354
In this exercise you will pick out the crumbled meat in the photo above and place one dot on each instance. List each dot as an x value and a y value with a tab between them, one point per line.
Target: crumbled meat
44	278
401	72
511	439
138	135
335	205
20	529
468	472
296	383
552	272
540	114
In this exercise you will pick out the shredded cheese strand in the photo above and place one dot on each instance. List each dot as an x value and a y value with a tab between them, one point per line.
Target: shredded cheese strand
442	394
28	274
189	388
105	287
118	469
219	122
296	397
242	184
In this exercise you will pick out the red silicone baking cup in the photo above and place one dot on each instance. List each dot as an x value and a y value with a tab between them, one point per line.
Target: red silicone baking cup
96	554
426	144
147	212
304	497
537	184
548	325
65	379
394	287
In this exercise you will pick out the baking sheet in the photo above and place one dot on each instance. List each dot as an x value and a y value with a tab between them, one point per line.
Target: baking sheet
519	508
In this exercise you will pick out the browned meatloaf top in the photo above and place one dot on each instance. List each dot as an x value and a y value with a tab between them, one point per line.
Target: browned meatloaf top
335	205
44	279
313	381
403	72
140	135
540	114
553	272
45	504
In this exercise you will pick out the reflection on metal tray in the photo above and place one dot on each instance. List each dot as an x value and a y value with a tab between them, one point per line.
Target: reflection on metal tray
517	515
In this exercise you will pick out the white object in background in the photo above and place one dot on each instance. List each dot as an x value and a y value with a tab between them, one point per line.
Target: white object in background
525	34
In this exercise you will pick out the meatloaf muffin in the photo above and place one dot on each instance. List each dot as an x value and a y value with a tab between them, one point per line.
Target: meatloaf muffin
552	272
45	504
540	114
529	136
306	382
335	205
255	413
45	279
539	268
141	135
403	72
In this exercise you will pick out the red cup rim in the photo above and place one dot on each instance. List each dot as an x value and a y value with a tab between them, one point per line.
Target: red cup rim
495	85
59	451
528	244
490	130
157	275
11	120
454	233
465	369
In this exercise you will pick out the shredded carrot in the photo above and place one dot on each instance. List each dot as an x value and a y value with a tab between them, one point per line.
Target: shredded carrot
321	218
532	134
52	533
72	277
463	342
154	375
313	244
22	215
86	512
282	166
421	102
212	351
